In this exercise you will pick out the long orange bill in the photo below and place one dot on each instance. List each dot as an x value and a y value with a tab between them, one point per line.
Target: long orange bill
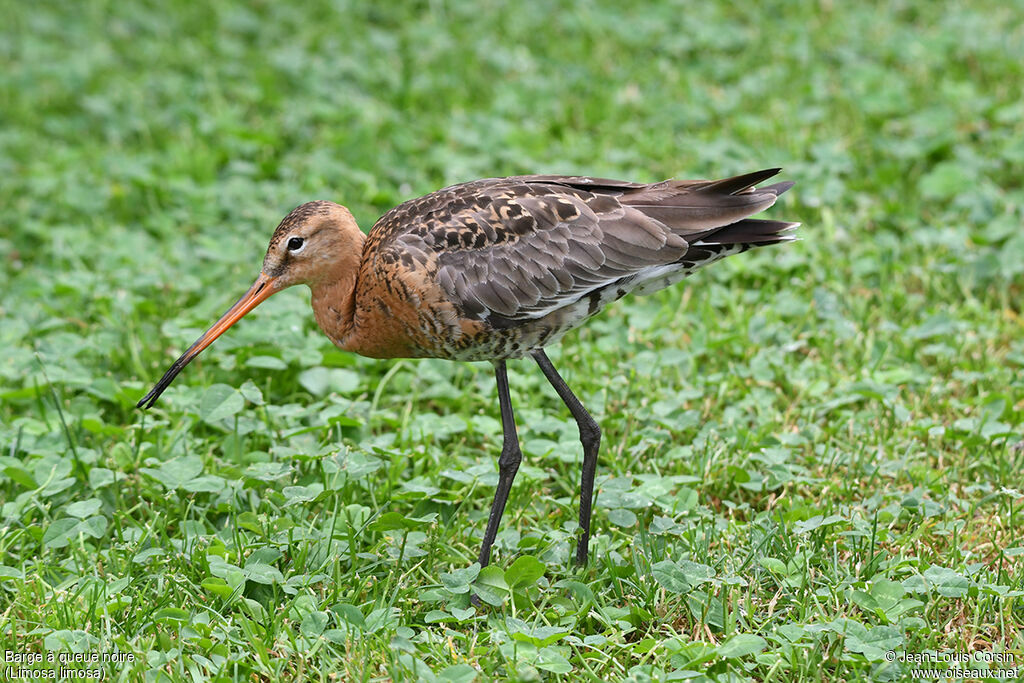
260	291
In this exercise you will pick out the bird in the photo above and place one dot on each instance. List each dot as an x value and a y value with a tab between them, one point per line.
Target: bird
499	269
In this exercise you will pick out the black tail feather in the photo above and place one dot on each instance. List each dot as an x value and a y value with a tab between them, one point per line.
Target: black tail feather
777	188
752	231
740	183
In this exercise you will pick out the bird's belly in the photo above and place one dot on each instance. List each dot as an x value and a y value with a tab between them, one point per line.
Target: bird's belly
480	341
472	340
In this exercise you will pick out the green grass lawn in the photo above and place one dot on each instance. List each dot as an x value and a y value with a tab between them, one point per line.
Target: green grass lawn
813	453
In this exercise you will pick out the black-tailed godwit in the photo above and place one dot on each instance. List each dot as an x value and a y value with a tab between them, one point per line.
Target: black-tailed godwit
501	268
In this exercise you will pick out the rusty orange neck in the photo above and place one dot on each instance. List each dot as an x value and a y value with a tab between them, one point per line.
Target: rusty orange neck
357	307
334	297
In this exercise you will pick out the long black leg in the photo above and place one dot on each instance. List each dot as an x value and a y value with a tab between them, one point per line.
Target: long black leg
508	463
590	437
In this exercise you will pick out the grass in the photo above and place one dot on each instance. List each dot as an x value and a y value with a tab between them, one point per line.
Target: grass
813	454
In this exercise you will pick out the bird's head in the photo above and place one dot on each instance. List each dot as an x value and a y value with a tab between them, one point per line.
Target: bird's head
310	244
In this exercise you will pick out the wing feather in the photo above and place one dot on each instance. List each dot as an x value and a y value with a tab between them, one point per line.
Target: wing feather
524	246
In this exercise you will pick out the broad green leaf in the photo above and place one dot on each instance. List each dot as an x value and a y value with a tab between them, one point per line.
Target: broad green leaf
944	181
391	521
815	522
463	614
540	636
171	614
84	508
10	573
436	616
251	393
319	381
670	577
864	600
458	673
94	526
218	587
947	582
580	592
208	483
20	476
220	401
886	592
525	571
100	477
460	580
774	565
381	619
263	555
266	363
350	614
314	623
550	659
301	494
696	573
145	555
873	643
490	585
176	471
741	645
60	532
622	517
263	573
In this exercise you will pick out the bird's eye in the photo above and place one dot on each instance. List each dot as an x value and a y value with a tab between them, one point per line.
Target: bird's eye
295	243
